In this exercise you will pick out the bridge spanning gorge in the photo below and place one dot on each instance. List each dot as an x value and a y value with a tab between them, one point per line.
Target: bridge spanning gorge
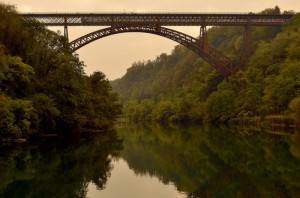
154	23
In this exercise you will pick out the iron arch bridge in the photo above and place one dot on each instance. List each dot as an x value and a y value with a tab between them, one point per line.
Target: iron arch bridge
219	61
153	23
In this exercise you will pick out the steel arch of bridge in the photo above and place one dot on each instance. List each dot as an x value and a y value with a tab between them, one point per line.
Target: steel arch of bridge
152	22
218	60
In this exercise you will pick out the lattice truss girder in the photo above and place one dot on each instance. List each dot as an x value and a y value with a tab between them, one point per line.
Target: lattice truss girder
169	19
219	61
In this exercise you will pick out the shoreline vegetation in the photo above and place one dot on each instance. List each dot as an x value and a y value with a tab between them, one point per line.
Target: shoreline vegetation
270	121
44	91
273	121
181	87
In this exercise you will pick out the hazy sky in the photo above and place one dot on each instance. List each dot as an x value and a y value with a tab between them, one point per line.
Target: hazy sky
114	54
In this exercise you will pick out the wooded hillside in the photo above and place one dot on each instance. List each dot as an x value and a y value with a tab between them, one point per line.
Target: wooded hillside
182	87
43	87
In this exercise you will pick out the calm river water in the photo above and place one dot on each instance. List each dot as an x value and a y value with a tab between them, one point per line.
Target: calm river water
156	161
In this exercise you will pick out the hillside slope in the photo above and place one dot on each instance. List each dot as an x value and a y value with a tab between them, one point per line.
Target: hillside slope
43	87
182	87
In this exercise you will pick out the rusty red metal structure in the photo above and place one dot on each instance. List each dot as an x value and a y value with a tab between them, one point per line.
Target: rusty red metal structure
153	23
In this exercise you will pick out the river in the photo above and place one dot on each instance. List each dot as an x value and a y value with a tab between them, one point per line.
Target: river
143	161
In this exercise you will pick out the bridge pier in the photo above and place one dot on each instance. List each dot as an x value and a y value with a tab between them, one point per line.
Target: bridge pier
66	34
248	48
158	28
203	38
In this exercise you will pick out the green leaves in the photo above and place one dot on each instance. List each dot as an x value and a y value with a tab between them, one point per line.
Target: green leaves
219	106
43	85
101	105
15	116
46	111
295	109
15	76
181	86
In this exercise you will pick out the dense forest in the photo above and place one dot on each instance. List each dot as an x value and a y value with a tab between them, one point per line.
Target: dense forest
43	87
181	87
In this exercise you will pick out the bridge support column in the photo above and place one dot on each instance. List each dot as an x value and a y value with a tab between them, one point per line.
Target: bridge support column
112	29
203	38
247	44
66	30
158	28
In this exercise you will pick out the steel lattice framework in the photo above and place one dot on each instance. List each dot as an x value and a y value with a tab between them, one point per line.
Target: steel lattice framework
222	63
163	19
152	23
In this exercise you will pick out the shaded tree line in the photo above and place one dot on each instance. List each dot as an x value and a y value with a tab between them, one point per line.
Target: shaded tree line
43	87
182	87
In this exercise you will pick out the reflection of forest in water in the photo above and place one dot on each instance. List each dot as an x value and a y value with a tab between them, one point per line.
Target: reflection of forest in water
216	161
201	161
57	168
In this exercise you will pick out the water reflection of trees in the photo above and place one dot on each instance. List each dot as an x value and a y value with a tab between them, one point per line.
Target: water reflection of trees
61	169
215	161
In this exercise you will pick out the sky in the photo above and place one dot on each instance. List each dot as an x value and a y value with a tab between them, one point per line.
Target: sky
114	54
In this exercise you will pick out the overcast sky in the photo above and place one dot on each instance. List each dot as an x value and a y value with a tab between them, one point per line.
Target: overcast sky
114	54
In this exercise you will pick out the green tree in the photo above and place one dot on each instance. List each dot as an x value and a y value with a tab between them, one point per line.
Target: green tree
47	113
295	108
16	117
102	104
163	111
43	79
15	76
267	84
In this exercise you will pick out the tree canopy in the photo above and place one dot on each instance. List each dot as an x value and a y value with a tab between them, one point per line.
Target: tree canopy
182	87
43	87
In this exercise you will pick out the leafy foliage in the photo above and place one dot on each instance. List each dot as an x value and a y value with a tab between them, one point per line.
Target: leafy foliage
42	83
182	87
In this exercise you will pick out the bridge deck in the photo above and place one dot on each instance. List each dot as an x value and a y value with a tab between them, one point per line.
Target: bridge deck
162	19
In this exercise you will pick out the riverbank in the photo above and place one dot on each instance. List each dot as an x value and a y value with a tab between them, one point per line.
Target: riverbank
270	121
